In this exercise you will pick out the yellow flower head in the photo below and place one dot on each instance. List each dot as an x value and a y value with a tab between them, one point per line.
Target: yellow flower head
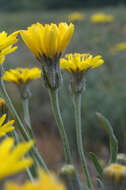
115	172
44	182
77	63
101	18
49	40
6	44
22	75
5	127
11	160
76	16
118	47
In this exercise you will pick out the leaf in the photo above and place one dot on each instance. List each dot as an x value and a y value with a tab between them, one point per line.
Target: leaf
96	164
105	124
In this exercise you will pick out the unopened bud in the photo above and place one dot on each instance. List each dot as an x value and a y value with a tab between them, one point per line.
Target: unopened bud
68	169
121	159
70	176
3	107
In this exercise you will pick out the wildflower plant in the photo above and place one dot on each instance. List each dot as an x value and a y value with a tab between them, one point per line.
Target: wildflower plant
48	42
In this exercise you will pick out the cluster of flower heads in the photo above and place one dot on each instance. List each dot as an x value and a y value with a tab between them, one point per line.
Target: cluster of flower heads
95	18
47	43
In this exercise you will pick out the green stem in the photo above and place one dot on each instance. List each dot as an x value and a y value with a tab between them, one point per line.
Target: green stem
53	94
77	110
26	137
27	117
18	140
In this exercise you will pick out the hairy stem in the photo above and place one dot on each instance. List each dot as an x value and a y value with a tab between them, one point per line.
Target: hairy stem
56	111
77	111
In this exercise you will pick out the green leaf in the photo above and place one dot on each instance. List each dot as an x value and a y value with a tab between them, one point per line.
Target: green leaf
96	164
105	124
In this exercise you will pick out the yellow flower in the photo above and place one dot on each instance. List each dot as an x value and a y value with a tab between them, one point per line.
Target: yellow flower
5	127
76	16
11	160
80	62
49	40
44	182
118	47
101	17
22	75
115	172
6	44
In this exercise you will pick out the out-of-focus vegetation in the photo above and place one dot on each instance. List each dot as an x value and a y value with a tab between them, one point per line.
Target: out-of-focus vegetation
14	5
106	88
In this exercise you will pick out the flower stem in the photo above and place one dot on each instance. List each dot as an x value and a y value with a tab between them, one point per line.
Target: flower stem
53	94
27	116
77	111
34	151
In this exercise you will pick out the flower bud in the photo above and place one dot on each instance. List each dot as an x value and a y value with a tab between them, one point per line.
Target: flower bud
3	107
121	159
70	176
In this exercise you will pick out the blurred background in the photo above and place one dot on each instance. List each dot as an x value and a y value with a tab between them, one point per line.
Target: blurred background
106	85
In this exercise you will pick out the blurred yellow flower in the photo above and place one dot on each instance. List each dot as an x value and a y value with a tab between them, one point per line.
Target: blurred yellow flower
76	16
101	18
5	127
49	40
6	44
80	62
44	182
11	160
2	102
115	172
22	75
118	47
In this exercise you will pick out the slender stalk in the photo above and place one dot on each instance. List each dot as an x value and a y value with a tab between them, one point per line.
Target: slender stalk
18	140
27	116
77	111
53	94
34	151
25	102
